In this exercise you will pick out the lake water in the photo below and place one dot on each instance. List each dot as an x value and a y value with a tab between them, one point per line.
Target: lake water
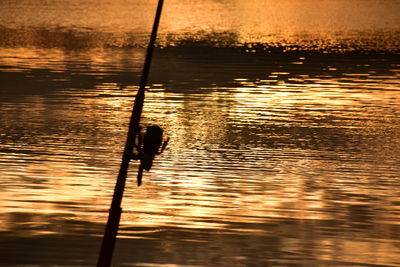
284	126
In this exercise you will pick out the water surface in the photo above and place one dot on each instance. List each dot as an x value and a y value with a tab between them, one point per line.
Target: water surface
284	133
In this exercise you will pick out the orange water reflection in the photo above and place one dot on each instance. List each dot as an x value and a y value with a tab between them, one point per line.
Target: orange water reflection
277	158
250	159
342	25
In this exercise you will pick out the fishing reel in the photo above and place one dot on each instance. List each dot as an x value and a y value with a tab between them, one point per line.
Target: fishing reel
147	147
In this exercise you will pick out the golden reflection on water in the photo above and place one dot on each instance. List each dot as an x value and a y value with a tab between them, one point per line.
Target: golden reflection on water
213	176
207	125
344	25
293	154
94	62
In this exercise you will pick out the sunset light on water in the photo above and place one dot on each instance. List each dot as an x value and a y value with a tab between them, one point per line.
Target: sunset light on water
283	119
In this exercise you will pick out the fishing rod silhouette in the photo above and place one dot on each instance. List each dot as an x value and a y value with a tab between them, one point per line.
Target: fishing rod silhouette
146	150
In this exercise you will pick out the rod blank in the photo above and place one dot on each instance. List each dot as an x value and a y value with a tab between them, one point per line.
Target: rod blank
111	231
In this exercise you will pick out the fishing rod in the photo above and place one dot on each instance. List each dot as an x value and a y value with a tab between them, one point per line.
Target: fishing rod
111	230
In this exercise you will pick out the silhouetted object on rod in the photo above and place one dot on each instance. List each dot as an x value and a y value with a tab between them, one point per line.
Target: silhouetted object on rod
111	231
148	148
